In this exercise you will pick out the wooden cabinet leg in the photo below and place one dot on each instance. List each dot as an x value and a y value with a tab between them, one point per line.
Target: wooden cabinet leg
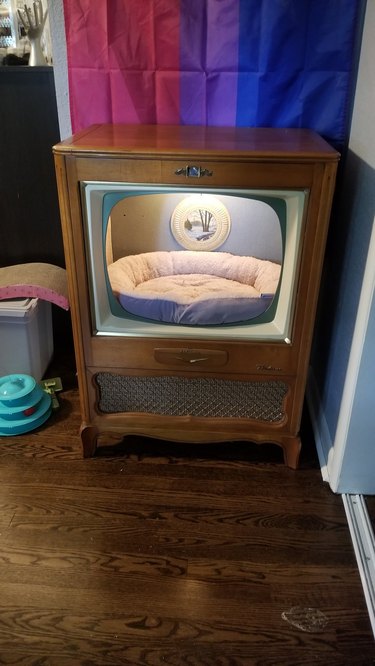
89	436
291	448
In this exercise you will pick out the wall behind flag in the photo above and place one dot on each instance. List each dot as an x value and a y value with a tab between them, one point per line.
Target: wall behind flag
270	63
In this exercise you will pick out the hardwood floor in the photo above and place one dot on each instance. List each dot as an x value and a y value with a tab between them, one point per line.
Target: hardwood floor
164	554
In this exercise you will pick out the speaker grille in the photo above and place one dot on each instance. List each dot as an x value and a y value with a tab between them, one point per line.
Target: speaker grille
200	396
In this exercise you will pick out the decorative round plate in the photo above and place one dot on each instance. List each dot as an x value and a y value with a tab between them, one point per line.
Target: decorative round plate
200	222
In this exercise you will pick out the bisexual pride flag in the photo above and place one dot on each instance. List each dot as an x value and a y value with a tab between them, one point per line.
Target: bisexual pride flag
269	63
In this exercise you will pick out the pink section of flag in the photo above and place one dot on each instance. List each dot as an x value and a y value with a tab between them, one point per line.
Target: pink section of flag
123	61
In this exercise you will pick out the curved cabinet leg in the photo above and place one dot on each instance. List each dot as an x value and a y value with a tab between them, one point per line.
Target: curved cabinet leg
89	437
291	448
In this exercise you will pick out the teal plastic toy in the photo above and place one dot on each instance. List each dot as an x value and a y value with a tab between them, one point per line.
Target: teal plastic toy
24	405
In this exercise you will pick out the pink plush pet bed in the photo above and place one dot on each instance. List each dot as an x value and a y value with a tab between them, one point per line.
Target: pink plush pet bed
194	288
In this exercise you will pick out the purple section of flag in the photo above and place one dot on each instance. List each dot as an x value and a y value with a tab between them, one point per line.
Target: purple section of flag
208	62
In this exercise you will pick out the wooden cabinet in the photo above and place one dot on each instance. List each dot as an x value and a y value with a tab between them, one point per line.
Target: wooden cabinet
205	384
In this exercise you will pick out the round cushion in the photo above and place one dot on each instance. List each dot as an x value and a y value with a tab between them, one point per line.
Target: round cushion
194	288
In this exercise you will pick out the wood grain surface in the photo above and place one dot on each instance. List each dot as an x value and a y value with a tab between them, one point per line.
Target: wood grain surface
165	554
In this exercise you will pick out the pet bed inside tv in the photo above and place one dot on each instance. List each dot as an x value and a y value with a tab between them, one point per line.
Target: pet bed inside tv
194	288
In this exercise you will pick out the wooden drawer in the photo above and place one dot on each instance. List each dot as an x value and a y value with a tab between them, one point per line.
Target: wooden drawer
195	356
237	174
211	173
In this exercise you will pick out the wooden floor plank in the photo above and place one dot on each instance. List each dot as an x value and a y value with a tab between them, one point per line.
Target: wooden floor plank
155	553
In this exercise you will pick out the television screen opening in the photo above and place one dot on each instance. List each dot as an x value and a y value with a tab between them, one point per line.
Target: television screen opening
184	263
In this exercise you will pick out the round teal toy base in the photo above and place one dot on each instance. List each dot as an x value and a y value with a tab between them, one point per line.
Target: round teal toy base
24	406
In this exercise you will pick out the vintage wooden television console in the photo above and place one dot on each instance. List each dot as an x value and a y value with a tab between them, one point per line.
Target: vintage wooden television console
128	191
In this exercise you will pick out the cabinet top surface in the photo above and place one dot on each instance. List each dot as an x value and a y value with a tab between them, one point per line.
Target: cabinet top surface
185	140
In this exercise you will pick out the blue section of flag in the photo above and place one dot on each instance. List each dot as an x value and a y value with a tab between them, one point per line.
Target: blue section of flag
295	63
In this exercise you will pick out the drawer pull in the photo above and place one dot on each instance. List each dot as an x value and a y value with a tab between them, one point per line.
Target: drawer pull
190	357
191	171
192	360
